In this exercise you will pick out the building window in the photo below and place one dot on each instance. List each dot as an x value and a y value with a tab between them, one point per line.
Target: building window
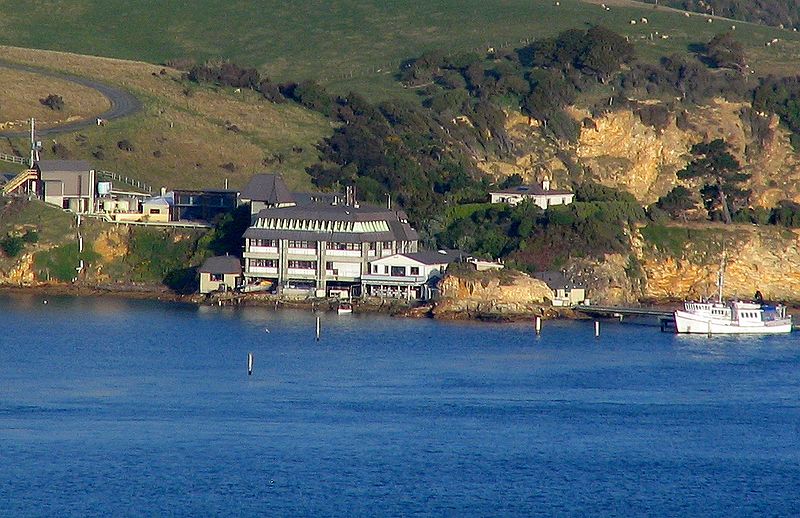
398	271
216	277
415	270
262	242
343	246
372	246
303	265
263	263
302	244
374	268
329	265
386	270
387	244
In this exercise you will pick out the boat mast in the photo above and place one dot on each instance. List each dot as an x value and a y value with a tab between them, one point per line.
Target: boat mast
721	278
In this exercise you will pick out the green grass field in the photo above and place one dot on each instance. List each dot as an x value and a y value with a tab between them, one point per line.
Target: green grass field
333	40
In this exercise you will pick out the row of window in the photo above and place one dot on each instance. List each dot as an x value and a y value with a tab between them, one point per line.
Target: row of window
263	242
395	271
328	245
263	263
302	265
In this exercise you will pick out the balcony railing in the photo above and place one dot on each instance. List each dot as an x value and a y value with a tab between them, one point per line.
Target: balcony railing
262	269
343	253
263	249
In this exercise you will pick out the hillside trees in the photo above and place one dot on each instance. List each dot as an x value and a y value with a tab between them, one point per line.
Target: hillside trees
768	12
721	175
723	51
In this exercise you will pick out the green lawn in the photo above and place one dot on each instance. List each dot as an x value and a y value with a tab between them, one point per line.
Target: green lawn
334	39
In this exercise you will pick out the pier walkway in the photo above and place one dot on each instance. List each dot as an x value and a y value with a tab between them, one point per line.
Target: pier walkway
666	318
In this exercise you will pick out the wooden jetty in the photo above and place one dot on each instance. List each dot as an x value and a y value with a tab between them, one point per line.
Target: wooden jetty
666	318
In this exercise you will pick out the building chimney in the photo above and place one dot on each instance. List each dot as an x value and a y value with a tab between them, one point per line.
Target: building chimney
546	184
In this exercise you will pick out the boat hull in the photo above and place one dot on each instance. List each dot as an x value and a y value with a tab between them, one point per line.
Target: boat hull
686	322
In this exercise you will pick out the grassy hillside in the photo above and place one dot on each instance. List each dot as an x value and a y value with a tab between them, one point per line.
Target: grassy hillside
348	43
186	135
20	93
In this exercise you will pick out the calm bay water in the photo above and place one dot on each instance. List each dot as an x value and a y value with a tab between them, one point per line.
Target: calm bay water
117	407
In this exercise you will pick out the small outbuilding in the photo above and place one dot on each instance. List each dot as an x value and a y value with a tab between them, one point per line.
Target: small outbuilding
220	273
542	195
565	293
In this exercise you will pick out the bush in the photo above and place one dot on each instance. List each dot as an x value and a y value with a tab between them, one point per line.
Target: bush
12	245
31	236
53	101
125	145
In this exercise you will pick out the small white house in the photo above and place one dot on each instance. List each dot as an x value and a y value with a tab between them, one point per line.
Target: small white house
220	273
410	276
565	293
542	195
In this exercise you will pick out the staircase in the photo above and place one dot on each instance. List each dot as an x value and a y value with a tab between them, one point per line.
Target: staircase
19	180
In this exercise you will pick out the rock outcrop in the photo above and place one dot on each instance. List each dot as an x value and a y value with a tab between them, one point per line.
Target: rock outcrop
493	295
756	258
619	150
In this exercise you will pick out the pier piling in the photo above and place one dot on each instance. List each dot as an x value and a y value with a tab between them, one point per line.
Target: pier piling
249	364
317	329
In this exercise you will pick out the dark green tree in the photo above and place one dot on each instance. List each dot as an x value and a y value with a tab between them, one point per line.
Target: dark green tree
676	202
723	51
722	175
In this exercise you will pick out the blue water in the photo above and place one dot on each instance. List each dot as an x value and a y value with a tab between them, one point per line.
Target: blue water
117	407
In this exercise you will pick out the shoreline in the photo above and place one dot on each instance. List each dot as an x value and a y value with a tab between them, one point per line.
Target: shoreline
393	308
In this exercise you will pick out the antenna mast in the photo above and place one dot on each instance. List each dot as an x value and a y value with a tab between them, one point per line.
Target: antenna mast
33	143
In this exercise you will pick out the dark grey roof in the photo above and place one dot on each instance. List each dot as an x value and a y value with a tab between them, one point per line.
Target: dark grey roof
436	256
63	165
403	231
533	190
556	280
327	212
221	264
269	188
315	198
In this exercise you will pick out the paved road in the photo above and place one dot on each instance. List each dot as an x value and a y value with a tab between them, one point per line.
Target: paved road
123	103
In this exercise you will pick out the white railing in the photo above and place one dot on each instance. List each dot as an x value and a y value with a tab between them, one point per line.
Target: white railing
262	269
398	279
301	251
343	253
301	271
13	159
263	249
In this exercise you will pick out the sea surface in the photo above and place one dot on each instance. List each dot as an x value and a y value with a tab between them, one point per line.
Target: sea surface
113	407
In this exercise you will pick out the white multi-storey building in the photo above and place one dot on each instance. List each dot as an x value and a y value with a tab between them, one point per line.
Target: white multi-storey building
321	245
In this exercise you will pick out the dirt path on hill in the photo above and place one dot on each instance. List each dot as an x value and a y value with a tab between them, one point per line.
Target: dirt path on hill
123	103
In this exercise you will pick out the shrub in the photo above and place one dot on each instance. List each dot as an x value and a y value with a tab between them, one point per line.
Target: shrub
12	245
53	101
125	145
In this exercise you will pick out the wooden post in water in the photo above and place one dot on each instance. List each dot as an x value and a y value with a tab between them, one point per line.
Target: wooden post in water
249	364
317	329
596	328
538	325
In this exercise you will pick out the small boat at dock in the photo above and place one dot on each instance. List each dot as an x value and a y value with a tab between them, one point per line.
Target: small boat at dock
732	318
344	308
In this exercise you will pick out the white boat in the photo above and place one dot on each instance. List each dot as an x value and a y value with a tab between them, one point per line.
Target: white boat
731	318
344	308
